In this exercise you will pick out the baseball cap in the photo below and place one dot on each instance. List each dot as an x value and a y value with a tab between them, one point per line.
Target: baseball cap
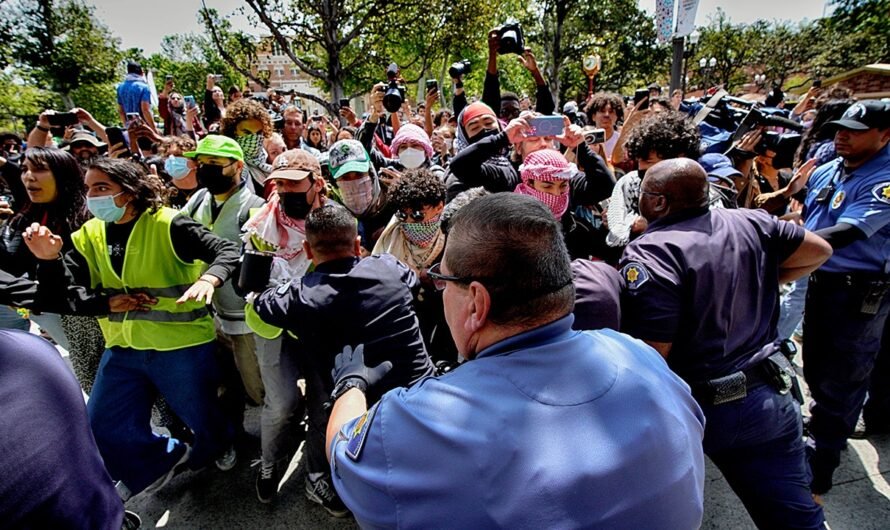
217	145
83	136
295	164
864	115
718	167
347	156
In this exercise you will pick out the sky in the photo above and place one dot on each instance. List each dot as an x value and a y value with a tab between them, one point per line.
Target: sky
144	24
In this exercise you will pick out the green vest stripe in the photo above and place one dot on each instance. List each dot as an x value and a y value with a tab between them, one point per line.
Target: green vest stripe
150	266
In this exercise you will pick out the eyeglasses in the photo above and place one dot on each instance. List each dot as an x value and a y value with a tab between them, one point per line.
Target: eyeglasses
441	280
415	215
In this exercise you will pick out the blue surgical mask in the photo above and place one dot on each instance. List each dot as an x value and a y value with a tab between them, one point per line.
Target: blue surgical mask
177	167
104	209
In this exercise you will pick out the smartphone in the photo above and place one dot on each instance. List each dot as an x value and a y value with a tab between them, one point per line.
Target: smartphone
190	102
133	117
344	102
640	95
547	126
432	84
817	83
62	119
116	136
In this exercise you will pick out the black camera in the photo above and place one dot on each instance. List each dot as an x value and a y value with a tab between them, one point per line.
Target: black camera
594	136
783	144
511	39
393	93
459	69
432	84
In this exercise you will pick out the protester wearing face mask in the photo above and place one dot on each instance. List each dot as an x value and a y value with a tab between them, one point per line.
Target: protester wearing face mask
183	183
411	149
481	154
163	342
249	124
279	228
414	236
223	206
360	190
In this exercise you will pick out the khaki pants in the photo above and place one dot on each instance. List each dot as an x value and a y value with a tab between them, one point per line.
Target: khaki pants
243	348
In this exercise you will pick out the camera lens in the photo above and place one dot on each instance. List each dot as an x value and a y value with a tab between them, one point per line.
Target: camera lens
392	99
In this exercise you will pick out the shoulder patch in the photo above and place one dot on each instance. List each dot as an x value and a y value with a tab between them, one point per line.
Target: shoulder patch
635	274
838	200
359	433
881	192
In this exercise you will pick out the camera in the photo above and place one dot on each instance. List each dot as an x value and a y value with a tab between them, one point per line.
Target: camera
594	136
393	93
511	39
460	68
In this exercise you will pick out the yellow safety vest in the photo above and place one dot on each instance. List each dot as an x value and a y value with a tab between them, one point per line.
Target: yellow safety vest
151	266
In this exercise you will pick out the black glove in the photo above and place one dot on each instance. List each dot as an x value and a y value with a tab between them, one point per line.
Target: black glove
350	371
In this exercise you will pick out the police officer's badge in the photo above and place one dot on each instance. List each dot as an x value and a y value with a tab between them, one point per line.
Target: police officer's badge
635	275
359	432
881	192
838	199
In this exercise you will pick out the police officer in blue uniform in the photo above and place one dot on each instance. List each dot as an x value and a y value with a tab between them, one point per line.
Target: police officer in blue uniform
701	286
848	203
542	427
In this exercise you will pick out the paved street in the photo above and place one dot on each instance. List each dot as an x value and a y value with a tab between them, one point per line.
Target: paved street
860	499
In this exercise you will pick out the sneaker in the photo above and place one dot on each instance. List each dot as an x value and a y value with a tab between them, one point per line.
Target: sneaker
322	492
177	468
228	459
131	521
865	430
267	480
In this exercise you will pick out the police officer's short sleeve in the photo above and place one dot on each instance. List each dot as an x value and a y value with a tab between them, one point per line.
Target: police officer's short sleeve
869	211
360	470
651	298
781	237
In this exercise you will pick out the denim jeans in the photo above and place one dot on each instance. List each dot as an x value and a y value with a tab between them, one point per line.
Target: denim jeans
127	384
281	414
791	308
10	319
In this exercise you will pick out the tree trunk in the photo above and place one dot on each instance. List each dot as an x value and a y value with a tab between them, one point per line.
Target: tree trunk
67	102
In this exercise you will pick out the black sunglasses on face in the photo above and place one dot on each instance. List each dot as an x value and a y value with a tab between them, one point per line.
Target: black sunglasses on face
416	216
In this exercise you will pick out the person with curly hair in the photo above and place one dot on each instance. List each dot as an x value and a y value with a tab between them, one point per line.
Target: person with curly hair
657	137
159	334
605	111
414	236
249	124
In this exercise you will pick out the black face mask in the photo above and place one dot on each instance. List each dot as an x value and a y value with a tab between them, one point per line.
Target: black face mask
485	133
296	205
212	178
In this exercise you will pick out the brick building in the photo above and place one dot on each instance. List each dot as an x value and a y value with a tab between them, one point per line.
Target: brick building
867	82
284	74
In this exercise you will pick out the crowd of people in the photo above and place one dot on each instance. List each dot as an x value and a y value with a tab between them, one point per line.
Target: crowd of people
461	317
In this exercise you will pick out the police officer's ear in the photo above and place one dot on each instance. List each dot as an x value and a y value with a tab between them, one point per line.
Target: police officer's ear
358	246
308	250
478	308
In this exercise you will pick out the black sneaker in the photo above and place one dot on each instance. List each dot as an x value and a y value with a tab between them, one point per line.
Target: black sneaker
267	479
322	492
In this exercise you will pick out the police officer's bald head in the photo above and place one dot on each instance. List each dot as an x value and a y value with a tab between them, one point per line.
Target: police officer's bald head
672	186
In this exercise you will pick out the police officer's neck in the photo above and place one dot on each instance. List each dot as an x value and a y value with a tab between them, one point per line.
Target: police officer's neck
853	163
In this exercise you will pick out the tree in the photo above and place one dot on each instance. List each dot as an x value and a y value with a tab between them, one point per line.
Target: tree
622	34
60	45
345	45
20	104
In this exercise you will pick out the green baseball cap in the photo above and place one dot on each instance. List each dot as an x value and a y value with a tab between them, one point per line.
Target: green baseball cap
346	156
217	145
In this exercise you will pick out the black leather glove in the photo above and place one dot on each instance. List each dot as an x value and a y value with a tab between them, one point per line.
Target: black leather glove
350	371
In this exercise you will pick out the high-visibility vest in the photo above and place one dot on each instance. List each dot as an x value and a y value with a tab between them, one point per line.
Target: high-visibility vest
151	266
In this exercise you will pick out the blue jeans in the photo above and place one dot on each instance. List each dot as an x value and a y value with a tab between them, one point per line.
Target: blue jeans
791	308
756	443
127	384
10	319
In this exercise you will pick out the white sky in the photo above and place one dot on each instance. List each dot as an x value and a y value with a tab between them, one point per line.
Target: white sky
142	24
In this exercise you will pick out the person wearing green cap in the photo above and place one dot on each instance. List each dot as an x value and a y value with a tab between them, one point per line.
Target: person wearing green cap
223	204
359	189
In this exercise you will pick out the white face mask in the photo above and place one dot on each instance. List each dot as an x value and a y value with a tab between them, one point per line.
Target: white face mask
412	157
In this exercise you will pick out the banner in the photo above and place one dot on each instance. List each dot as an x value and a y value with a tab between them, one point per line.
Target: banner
686	17
664	19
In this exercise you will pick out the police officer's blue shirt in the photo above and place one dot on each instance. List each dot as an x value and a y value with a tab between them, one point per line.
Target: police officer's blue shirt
707	282
860	198
551	428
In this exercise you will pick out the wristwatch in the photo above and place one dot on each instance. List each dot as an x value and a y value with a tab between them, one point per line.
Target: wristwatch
42	128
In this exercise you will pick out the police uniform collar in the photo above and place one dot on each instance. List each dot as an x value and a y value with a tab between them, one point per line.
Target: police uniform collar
337	266
530	338
677	217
